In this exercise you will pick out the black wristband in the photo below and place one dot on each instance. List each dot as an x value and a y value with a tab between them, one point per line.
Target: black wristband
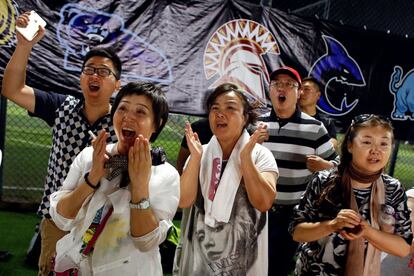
95	187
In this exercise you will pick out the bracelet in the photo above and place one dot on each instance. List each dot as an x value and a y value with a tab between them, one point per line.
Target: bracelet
95	187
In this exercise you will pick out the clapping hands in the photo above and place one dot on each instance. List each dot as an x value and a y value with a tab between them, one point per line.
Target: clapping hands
193	142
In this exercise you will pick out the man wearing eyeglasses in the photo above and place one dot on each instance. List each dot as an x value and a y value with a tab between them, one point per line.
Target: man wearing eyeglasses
69	117
293	137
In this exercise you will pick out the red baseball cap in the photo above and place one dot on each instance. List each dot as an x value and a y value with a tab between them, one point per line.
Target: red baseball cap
288	71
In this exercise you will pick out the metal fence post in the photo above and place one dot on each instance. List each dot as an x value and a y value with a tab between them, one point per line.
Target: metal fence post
3	113
394	156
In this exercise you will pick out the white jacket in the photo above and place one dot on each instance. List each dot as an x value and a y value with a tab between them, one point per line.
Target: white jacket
116	251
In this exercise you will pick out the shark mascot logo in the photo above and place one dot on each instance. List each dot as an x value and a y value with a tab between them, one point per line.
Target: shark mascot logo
7	23
403	90
234	53
82	27
339	67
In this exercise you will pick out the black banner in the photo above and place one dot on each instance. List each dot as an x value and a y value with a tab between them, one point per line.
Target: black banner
190	47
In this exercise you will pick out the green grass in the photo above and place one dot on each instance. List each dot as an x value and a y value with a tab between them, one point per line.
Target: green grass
404	168
16	231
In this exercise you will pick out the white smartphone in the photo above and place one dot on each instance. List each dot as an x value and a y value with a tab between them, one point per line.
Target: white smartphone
30	31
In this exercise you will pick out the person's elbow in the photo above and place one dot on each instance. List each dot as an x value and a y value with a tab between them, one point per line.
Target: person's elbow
265	203
299	236
404	251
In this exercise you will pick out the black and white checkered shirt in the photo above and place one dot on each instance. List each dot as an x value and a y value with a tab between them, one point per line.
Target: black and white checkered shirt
70	136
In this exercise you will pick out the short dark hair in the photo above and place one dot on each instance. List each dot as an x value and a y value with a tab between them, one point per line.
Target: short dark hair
108	53
249	109
154	93
314	80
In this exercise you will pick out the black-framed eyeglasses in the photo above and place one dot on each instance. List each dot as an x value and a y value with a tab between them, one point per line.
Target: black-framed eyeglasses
366	117
102	71
282	84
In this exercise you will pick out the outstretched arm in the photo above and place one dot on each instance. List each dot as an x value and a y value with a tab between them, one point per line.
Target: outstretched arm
14	80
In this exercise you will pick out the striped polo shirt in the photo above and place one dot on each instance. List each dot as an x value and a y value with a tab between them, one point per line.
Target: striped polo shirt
290	141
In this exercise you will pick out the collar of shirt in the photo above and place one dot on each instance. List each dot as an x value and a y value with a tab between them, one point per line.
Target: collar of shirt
283	121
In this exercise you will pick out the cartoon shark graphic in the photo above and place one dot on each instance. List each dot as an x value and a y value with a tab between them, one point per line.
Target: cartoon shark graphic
336	65
403	89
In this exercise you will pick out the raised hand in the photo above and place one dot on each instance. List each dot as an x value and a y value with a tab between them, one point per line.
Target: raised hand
193	142
246	151
139	164
22	21
99	157
263	134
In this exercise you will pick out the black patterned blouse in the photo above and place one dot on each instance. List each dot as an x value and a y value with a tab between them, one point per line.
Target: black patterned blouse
327	256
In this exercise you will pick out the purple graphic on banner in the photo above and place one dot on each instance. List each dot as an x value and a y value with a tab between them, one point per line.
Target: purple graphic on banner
82	27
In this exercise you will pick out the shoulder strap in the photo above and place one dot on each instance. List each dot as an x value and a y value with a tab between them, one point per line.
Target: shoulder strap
91	243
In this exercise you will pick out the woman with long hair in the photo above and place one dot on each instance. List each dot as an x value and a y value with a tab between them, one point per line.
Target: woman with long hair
349	215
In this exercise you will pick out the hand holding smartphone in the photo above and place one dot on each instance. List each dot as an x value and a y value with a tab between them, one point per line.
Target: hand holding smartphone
30	31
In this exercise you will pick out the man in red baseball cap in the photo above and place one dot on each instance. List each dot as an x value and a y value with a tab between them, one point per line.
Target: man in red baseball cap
284	91
288	71
292	136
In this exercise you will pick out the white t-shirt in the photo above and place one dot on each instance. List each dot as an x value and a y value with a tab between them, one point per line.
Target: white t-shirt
238	247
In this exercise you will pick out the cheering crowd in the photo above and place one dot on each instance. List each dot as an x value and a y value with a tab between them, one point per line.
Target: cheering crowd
263	195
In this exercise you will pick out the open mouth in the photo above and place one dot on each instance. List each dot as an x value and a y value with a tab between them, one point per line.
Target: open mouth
373	160
128	133
93	87
282	98
221	125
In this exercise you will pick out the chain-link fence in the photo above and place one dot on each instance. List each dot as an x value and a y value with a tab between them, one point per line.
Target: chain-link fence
27	148
28	144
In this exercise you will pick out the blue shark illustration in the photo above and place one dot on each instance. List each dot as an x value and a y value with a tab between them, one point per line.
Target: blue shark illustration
336	65
82	27
403	90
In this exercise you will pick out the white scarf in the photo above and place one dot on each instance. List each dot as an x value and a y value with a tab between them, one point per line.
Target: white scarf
218	201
